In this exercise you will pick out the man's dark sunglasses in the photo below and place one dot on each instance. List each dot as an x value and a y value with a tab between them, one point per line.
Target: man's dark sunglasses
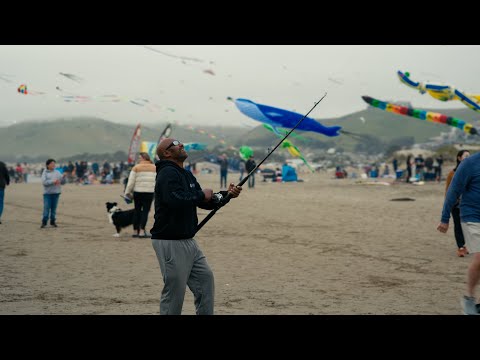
174	143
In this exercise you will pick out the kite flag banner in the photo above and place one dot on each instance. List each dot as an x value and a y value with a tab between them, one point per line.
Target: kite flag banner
165	133
422	115
134	145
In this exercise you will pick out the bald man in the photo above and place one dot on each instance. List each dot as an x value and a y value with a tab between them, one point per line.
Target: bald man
182	263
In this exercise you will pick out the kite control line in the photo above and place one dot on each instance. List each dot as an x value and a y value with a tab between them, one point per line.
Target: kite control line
221	202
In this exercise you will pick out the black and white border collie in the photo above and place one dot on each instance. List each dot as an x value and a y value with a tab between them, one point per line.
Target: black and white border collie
118	217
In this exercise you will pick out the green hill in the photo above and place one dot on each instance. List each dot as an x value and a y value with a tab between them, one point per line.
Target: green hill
63	138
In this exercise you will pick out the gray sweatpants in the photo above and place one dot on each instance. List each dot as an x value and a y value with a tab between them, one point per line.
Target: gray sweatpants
182	263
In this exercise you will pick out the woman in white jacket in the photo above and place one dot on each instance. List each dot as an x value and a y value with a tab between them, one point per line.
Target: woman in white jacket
140	187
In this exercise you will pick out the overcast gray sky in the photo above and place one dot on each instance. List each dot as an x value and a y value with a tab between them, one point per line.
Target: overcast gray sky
292	77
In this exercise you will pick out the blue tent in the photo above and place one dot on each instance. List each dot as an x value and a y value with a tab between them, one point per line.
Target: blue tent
288	173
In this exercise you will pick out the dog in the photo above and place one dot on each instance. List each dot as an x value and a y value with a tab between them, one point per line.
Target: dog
118	217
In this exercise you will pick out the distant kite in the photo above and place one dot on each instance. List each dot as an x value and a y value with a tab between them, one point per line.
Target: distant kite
245	152
421	114
208	71
171	55
22	89
280	118
336	81
5	77
441	92
72	77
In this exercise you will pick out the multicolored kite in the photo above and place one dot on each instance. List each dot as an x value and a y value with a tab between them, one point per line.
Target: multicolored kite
22	89
292	149
422	115
150	147
441	92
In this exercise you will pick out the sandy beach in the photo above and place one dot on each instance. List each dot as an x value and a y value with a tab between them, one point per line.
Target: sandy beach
322	246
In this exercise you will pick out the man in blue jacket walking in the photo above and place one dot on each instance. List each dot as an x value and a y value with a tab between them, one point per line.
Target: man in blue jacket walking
466	183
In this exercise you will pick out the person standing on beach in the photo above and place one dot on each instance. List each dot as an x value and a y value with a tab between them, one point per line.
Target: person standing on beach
250	165
409	163
223	161
466	183
182	263
457	226
52	187
438	169
140	186
242	168
4	181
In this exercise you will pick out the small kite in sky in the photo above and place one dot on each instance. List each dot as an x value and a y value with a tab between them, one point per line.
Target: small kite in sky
72	77
336	81
171	55
208	71
5	77
22	89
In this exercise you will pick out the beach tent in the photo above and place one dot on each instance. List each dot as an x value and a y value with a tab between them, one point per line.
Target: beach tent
288	173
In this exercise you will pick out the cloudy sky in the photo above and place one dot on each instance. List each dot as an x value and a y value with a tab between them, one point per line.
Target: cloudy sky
195	80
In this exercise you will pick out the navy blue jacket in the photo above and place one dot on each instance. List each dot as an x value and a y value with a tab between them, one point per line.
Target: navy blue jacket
177	196
465	183
4	177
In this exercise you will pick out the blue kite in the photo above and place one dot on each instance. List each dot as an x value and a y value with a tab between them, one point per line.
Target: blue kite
194	146
280	118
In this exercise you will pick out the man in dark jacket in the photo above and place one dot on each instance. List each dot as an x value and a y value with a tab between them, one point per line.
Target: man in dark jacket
4	181
182	263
